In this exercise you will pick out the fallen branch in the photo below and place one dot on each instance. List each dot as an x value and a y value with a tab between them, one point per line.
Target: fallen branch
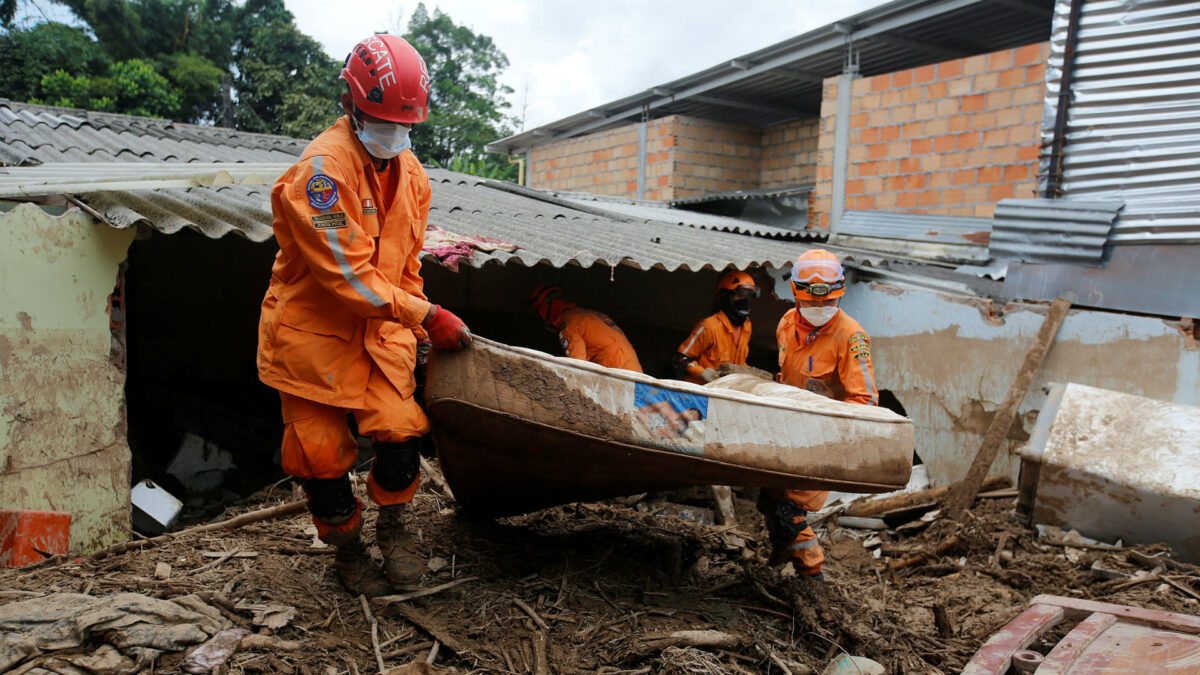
226	556
270	643
402	597
941	548
435	477
930	496
693	638
366	608
532	614
440	634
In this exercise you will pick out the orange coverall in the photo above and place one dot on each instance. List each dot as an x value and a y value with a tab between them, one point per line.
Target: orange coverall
592	336
336	332
715	340
833	360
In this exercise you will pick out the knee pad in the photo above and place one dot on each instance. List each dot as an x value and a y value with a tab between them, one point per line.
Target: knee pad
790	520
397	464
330	500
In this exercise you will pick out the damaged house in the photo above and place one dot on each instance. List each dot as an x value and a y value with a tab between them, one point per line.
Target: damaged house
924	143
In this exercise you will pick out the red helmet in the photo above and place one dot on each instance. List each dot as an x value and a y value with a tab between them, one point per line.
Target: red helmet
818	275
732	280
388	79
539	299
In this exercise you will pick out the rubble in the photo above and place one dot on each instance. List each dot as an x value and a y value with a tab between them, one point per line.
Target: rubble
590	587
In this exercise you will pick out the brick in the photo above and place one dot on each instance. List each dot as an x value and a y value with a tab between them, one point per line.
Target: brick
894	183
877	151
1030	93
1024	56
998	192
881	82
878	118
935	90
1006	154
866	136
864	203
983	120
912	130
973	103
995	137
916	181
959	123
979	157
1029	153
891	98
947	107
1033	114
914	94
949	69
1013	77
974	195
887	167
920	146
902	114
910	165
989	174
951	197
668	142
662	181
901	79
927	198
906	200
930	162
997	100
897	149
856	153
873	185
886	200
24	533
925	111
889	133
940	179
963	177
925	74
1034	74
943	143
960	86
1009	117
1015	173
1022	135
967	140
953	160
854	187
986	82
860	86
867	168
1000	60
973	65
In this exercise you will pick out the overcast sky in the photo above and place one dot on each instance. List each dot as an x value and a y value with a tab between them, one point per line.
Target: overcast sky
566	56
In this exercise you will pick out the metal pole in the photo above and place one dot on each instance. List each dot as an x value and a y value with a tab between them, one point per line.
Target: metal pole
1058	142
841	138
641	158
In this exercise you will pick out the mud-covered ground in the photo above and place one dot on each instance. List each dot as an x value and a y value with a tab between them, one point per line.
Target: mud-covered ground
588	588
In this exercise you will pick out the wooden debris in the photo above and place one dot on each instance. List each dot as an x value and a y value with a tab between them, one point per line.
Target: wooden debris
713	639
532	614
884	505
723	496
435	477
541	663
459	646
403	597
859	523
941	619
964	494
945	545
366	608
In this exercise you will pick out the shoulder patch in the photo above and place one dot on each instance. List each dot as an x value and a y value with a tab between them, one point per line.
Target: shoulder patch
322	191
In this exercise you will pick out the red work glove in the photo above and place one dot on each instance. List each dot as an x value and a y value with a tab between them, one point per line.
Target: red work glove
446	331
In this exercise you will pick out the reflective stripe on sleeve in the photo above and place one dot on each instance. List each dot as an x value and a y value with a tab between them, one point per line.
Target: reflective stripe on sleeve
691	342
803	544
335	246
869	382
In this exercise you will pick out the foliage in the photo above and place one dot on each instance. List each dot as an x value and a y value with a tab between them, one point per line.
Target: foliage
30	55
467	103
286	84
134	88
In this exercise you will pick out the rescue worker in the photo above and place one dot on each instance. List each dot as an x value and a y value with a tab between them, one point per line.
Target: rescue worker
345	309
724	336
821	349
584	334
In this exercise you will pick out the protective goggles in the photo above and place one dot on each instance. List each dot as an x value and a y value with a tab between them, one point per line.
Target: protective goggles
818	289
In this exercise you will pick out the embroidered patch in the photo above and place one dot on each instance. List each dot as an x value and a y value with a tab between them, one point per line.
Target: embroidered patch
322	191
369	208
329	221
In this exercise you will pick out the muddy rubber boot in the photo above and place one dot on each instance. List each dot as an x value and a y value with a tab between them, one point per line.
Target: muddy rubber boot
358	572
400	560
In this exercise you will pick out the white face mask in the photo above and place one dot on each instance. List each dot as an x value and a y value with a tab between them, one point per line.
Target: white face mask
818	316
384	141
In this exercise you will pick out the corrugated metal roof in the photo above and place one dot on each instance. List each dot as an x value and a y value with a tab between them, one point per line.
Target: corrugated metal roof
735	195
1133	126
782	82
658	212
953	239
1052	230
86	177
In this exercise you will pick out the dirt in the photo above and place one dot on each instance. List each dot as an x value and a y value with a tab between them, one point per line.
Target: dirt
603	578
573	408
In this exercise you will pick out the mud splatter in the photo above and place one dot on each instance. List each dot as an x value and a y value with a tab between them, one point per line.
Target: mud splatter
546	390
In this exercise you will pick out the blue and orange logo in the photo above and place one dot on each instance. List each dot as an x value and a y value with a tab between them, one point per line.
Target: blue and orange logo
322	191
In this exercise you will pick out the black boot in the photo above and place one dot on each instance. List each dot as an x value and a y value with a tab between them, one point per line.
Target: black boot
401	562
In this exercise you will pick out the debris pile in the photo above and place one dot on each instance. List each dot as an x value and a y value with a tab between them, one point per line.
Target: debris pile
596	588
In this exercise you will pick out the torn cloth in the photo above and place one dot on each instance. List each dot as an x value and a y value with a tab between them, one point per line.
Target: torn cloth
450	249
120	633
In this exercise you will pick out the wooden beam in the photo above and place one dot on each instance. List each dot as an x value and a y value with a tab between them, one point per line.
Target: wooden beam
963	496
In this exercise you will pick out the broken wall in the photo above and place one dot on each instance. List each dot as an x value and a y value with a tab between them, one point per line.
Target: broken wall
62	416
950	360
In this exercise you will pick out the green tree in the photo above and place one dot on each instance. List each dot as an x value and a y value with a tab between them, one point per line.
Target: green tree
30	55
286	84
467	103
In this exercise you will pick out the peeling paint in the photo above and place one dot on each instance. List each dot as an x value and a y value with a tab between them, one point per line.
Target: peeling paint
61	394
950	362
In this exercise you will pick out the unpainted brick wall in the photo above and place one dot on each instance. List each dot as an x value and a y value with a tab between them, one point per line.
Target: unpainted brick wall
684	157
605	162
950	138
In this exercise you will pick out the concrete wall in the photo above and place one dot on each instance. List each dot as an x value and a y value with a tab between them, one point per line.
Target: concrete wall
62	418
948	138
951	359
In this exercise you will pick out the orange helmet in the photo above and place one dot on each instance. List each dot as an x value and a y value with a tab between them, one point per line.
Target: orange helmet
818	275
731	280
388	79
539	299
